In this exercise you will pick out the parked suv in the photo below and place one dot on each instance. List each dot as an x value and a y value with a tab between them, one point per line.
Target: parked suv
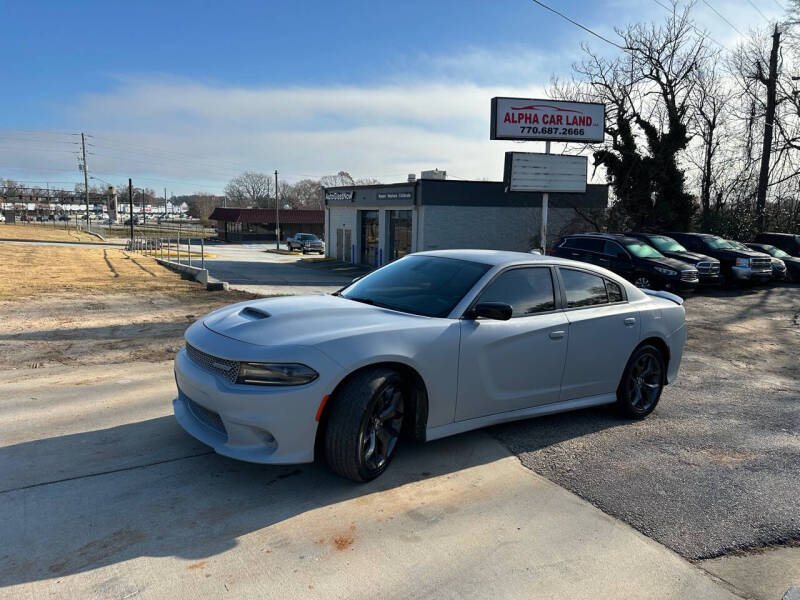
707	267
737	265
631	258
307	242
778	266
788	242
792	262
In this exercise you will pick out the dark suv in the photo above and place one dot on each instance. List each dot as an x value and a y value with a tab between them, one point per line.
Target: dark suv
707	267
633	259
307	242
788	242
737	265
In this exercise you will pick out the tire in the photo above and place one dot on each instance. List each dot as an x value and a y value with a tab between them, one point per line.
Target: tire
364	423
643	281
642	382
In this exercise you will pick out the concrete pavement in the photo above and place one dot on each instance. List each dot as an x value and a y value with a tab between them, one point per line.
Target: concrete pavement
249	268
104	496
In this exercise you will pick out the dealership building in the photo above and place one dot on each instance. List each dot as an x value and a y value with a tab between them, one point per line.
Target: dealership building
375	224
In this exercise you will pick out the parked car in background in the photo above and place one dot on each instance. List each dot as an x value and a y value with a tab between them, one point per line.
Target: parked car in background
2	218
431	345
307	242
738	266
778	266
792	262
63	218
708	268
788	242
629	257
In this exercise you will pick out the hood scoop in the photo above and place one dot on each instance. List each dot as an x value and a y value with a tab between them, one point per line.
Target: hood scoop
254	313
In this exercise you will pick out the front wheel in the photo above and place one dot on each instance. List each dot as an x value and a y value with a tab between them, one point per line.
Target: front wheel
365	422
642	382
643	282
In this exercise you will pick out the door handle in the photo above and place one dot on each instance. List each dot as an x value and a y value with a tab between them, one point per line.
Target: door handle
630	321
556	335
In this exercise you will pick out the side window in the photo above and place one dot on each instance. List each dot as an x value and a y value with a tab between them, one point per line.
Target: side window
528	291
612	249
614	292
583	289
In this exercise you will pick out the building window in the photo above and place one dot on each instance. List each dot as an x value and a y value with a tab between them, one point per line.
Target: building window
369	238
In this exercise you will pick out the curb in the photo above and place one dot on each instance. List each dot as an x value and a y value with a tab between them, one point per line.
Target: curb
103	243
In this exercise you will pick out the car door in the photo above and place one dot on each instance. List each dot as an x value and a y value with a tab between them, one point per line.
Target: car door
603	331
514	364
617	259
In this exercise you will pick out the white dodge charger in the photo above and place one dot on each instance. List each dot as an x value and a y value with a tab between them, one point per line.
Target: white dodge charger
431	345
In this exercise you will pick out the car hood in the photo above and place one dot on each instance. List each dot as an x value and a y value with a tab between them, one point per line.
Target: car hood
689	257
303	320
672	263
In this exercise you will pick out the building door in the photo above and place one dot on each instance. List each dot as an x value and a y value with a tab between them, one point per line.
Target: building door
348	245
399	233
339	242
369	237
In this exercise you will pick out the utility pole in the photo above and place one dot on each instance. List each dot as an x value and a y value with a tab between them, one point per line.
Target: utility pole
165	201
771	83
130	206
85	179
277	216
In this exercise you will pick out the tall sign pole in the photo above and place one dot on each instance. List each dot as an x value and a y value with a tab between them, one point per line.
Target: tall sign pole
277	216
545	206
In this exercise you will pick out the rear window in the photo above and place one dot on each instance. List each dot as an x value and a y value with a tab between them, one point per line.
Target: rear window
583	289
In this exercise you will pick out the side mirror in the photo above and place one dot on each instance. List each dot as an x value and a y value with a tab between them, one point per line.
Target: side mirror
499	311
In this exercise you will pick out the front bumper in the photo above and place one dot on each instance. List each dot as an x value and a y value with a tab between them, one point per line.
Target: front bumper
748	274
261	424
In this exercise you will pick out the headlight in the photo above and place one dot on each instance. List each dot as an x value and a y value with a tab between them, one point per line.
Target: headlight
666	271
275	374
780	263
742	262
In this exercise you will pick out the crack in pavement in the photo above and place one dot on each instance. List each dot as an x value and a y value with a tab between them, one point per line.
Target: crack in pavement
120	470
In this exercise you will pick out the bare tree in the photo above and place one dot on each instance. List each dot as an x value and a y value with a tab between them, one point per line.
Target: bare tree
250	189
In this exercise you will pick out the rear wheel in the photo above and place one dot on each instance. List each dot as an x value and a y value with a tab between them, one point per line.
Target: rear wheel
642	382
365	422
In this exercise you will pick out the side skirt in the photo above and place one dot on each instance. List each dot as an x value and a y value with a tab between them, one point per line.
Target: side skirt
434	433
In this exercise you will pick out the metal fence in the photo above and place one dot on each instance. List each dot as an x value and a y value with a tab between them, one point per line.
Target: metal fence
175	249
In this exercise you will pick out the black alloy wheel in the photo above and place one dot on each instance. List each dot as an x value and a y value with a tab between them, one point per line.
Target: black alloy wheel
364	423
643	282
642	382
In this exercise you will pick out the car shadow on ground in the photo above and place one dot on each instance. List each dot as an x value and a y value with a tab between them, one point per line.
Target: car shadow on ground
79	502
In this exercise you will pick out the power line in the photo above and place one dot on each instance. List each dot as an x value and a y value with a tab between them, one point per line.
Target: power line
698	31
719	14
758	10
566	18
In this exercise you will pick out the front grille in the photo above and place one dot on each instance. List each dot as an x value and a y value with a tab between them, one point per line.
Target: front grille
761	264
708	268
229	369
209	417
689	275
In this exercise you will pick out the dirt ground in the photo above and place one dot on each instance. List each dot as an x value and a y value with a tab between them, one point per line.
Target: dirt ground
50	233
85	306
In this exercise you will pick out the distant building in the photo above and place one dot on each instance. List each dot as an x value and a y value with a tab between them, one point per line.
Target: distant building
258	224
376	224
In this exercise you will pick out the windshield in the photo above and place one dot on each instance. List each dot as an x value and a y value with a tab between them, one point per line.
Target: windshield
642	250
421	285
717	243
776	252
740	245
666	244
306	236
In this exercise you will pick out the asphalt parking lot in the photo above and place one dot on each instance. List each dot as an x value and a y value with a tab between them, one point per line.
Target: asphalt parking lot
716	468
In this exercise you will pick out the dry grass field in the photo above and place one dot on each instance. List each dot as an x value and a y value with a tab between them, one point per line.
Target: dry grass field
62	305
50	233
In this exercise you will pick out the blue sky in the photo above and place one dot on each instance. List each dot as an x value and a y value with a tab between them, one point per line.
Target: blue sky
187	94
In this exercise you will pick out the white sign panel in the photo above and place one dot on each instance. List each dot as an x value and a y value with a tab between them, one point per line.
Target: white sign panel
533	172
531	119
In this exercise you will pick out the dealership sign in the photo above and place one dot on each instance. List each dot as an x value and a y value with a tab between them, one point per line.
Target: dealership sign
548	120
338	195
534	172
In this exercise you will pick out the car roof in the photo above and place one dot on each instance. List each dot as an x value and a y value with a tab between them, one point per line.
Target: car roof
694	233
497	257
615	237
